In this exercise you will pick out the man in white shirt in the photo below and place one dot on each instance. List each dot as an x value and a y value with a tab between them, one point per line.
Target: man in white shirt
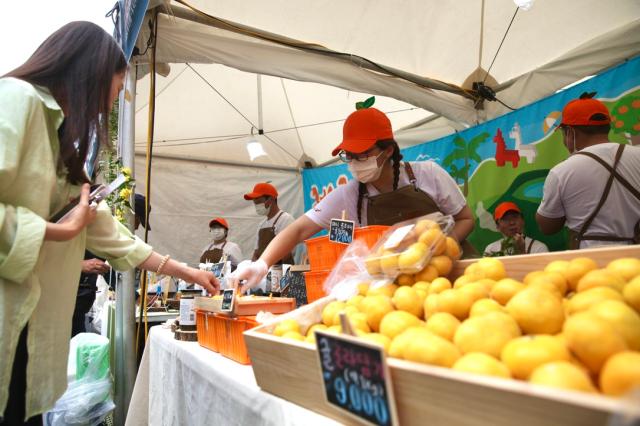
510	223
594	191
265	200
220	246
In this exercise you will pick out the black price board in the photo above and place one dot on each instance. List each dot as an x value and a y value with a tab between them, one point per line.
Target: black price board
341	231
293	285
217	269
227	299
356	378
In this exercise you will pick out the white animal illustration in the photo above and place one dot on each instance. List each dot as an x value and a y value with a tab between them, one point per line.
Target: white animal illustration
485	218
527	151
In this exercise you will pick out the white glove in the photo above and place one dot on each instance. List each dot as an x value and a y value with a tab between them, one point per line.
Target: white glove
251	272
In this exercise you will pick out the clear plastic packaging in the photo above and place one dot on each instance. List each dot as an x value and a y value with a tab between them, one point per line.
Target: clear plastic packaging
407	247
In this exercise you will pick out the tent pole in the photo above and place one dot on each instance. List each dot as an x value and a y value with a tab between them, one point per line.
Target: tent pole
260	125
125	359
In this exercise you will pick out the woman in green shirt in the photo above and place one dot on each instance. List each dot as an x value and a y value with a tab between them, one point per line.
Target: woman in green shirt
51	109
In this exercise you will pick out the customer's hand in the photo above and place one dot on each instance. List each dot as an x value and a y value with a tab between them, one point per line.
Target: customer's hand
250	272
94	266
77	219
519	243
207	280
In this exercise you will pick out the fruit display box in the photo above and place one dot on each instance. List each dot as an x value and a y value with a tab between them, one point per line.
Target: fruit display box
432	395
248	305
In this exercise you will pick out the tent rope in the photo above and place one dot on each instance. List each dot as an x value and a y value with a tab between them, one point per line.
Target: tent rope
295	126
499	47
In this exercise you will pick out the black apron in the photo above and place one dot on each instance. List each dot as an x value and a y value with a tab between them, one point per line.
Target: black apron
265	235
403	204
577	236
213	256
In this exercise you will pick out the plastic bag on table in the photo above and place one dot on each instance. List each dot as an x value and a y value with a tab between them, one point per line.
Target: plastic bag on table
87	399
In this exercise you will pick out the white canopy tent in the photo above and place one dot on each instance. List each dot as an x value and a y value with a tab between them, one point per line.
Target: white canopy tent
317	59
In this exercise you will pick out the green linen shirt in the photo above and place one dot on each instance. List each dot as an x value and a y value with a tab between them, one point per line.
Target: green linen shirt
38	278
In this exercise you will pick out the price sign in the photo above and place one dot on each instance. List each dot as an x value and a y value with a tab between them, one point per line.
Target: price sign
341	231
228	296
356	378
294	284
217	269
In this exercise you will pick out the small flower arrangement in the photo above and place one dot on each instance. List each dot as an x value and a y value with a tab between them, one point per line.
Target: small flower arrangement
122	200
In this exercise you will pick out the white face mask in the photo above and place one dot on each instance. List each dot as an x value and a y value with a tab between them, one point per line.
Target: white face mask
261	209
218	234
366	171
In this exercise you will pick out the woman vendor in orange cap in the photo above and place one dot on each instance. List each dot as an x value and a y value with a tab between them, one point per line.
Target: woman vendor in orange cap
384	191
212	253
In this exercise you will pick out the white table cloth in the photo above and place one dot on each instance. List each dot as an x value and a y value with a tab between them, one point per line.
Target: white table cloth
182	383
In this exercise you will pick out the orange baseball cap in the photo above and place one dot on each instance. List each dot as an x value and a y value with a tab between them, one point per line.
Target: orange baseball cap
362	129
581	112
220	221
260	190
503	208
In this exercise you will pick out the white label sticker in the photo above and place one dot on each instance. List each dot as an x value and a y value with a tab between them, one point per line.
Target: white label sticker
397	236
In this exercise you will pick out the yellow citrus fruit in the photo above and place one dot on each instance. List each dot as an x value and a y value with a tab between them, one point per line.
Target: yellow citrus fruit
492	268
355	300
443	264
430	305
488	283
389	263
592	339
537	311
285	326
456	302
347	310
474	269
576	269
486	333
526	353
423	295
623	318
556	278
363	288
481	363
452	249
429	348
547	286
359	322
372	263
557	266
563	375
483	306
405	279
407	299
439	285
434	239
421	285
378	339
443	324
600	278
505	289
330	310
585	299
626	267
315	327
428	274
335	329
375	308
400	342
621	373
311	338
396	322
294	335
412	259
631	293
476	290
465	279
385	290
424	224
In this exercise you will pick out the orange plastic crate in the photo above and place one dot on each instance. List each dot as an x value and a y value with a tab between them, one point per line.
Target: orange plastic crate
314	281
228	331
206	332
323	254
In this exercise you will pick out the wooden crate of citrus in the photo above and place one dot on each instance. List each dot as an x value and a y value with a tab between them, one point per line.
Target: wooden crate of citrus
529	339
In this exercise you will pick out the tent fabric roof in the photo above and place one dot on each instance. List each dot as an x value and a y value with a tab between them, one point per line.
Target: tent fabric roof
200	106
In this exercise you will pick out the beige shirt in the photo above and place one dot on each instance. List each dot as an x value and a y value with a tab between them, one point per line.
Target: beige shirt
39	279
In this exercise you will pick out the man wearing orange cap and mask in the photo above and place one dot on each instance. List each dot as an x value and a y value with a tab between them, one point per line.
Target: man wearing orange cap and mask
212	253
384	191
510	223
595	191
265	200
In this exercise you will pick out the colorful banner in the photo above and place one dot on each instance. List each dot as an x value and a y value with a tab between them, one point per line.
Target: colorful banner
508	158
129	21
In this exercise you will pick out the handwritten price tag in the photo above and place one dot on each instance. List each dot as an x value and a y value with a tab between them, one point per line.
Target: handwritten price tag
356	378
228	297
341	231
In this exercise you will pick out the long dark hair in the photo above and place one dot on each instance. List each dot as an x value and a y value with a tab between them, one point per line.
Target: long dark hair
77	64
395	157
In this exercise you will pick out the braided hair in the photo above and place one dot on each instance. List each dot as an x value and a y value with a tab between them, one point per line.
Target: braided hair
395	157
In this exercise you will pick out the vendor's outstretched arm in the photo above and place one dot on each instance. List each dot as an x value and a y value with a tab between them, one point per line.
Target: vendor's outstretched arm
285	241
464	223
